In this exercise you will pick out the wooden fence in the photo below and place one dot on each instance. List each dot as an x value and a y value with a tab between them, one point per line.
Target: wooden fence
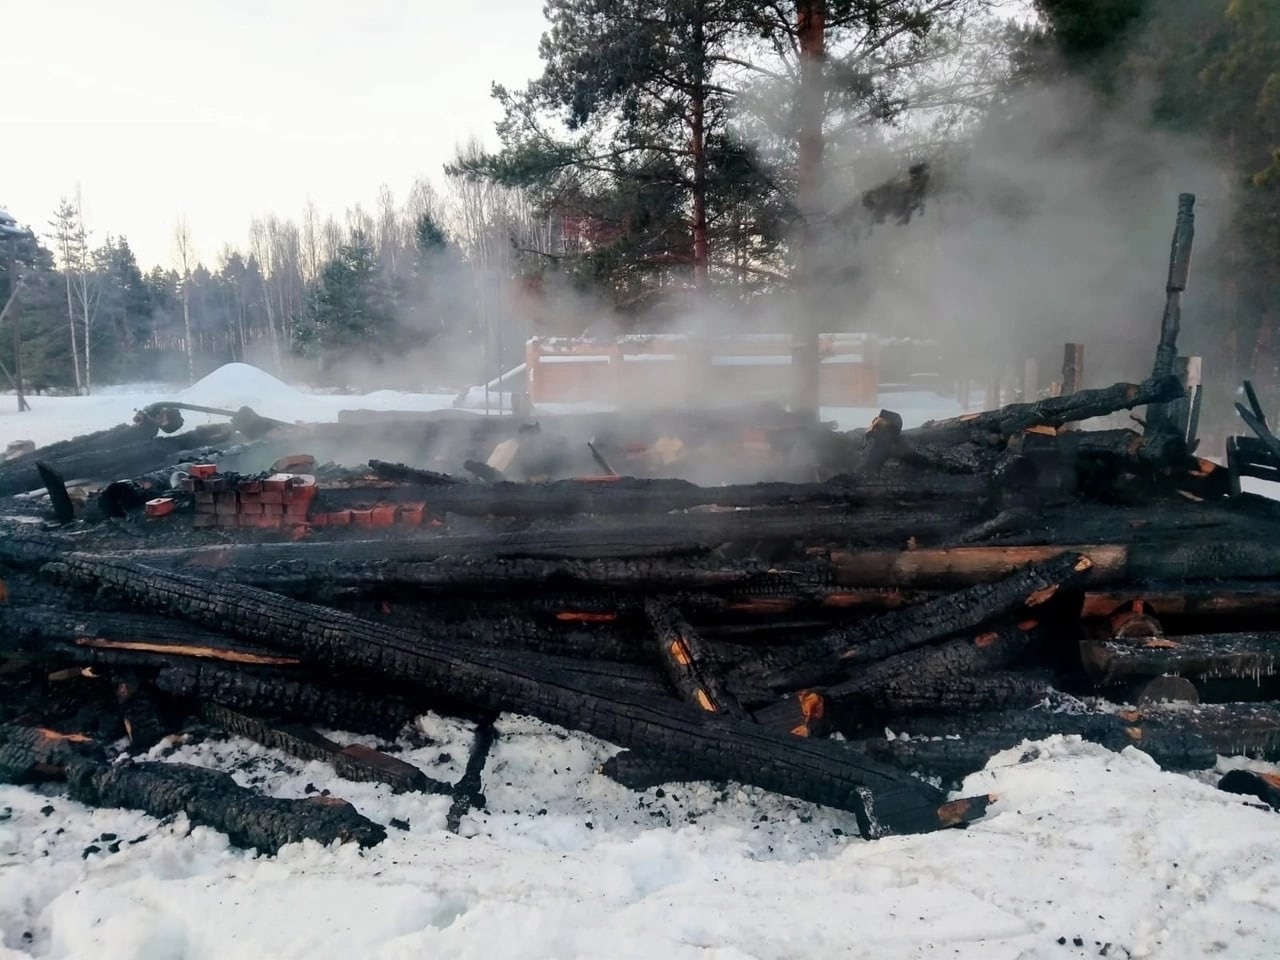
672	370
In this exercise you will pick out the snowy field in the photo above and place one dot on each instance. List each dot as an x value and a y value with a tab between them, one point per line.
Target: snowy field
1086	853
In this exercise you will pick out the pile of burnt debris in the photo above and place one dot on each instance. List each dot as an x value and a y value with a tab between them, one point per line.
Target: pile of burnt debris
966	584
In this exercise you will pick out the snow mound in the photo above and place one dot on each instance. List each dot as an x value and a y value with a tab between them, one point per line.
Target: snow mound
235	385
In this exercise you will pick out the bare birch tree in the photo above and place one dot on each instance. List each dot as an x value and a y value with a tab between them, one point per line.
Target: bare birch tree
185	255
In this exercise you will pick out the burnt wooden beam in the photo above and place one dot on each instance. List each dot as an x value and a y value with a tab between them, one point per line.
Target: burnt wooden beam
1195	656
354	762
350	705
211	798
1113	563
469	793
64	510
687	663
884	801
996	426
839	651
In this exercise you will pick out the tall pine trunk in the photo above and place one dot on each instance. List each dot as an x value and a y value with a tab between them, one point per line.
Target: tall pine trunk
811	16
697	124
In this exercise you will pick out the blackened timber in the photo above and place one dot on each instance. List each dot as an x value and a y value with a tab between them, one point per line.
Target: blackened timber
1207	600
1055	412
1231	729
370	707
880	440
63	510
511	626
468	794
354	762
819	771
630	495
120	638
404	474
961	746
995	690
837	652
211	798
131	457
144	720
684	657
930	665
454	575
1264	786
1113	563
1196	656
30	754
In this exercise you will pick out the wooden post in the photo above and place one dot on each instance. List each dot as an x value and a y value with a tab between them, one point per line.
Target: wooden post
1030	379
1187	370
1171	321
1072	368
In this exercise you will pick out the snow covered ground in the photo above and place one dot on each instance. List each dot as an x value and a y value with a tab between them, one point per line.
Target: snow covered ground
1087	853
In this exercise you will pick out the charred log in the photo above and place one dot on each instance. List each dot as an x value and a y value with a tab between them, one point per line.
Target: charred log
814	770
1196	656
372	707
895	632
211	798
994	426
687	664
354	762
1247	783
468	795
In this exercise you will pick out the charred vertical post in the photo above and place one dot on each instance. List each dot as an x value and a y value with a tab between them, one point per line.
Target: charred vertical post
1171	322
1072	368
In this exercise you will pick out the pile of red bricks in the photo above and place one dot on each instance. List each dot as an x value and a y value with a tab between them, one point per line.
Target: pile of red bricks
279	500
276	501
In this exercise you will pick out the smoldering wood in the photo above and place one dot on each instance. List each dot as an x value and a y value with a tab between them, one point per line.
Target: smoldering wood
996	426
512	626
882	799
374	707
687	664
1195	656
400	473
839	651
1249	783
120	639
144	720
630	495
1113	563
30	754
880	439
992	649
949	695
354	762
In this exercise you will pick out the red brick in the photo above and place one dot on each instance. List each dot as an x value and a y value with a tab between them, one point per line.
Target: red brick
271	496
160	506
204	470
204	520
412	514
362	518
250	508
273	509
384	515
277	482
227	520
338	518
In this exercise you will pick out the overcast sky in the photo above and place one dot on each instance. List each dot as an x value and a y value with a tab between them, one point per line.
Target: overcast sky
226	109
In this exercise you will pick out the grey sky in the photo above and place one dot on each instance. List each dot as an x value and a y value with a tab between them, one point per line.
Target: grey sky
226	109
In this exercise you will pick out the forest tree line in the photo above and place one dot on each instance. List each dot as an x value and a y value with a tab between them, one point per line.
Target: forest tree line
718	158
